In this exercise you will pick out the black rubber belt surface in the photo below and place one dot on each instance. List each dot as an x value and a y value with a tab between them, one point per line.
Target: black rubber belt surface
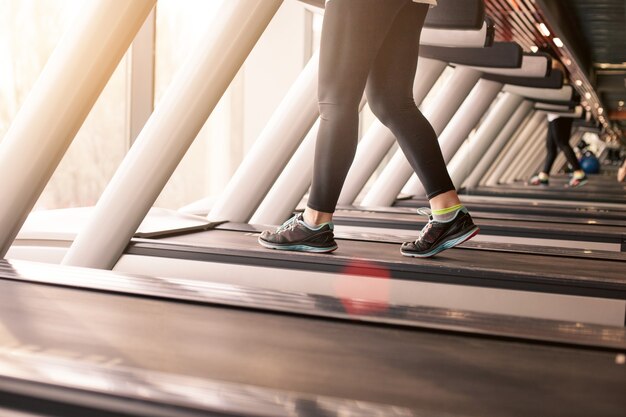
417	369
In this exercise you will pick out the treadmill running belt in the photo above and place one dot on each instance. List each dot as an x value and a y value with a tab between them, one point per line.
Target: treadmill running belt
575	195
530	272
527	206
426	371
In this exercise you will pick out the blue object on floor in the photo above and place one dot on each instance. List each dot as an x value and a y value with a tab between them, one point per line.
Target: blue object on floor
589	163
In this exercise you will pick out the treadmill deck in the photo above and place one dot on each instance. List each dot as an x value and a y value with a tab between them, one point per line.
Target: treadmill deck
421	370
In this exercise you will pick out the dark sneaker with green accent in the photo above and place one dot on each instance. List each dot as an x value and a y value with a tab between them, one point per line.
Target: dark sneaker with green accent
295	235
438	236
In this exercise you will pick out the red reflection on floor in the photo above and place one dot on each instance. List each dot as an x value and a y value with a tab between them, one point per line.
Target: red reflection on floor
363	288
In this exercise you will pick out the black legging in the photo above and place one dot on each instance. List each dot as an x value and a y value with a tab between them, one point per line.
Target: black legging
373	44
558	138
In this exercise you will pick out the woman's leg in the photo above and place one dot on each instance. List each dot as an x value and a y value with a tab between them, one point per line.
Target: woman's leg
360	36
352	34
551	148
390	96
562	131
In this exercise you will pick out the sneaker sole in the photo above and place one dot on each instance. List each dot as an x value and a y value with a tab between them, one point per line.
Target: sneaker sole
446	245
298	248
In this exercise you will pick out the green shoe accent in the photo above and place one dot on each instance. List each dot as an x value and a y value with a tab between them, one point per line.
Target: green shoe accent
447	209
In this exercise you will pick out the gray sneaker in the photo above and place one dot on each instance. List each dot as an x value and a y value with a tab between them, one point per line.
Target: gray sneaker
295	235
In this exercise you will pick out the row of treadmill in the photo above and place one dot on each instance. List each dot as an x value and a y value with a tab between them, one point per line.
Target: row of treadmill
197	319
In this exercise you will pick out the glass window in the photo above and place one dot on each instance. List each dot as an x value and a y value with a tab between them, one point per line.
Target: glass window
96	152
29	32
272	67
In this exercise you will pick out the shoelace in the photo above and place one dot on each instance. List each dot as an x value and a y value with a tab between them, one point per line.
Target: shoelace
288	225
425	211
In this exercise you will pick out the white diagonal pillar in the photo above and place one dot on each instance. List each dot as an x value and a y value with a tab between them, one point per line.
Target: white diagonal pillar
495	165
169	132
529	160
439	112
466	159
511	152
561	160
521	154
456	132
292	183
272	150
498	143
58	104
378	140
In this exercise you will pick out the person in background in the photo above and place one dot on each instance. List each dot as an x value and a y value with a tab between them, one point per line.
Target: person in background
559	129
558	137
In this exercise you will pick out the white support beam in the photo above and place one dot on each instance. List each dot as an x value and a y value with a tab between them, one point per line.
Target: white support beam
528	156
59	103
378	140
295	179
271	152
292	184
561	161
456	132
523	146
518	142
522	153
492	152
181	113
466	160
535	157
496	163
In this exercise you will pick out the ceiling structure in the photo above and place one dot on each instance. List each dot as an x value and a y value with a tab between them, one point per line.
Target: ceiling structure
603	26
589	37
